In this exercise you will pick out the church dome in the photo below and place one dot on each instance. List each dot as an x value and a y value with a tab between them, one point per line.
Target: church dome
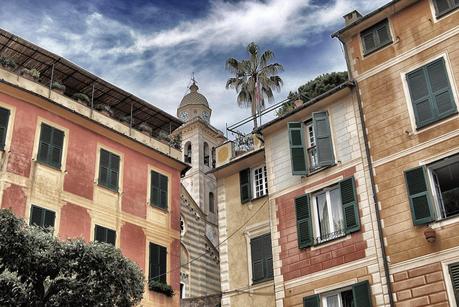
193	97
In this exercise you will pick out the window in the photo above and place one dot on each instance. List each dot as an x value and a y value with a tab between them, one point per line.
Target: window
430	92
50	146
188	152
317	145
211	202
441	200
253	182
158	263
4	119
42	217
443	7
454	275
376	37
327	214
260	181
182	226
105	235
356	295
206	154
262	258
159	190
109	168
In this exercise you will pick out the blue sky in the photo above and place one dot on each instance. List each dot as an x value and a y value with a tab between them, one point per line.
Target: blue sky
150	48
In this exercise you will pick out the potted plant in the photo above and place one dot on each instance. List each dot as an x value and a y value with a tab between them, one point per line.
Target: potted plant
58	87
81	98
430	234
160	287
146	129
104	109
126	119
8	63
176	141
30	74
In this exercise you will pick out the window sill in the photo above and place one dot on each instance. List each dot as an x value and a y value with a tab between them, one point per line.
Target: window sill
56	168
109	189
365	54
318	170
439	224
329	242
163	210
262	281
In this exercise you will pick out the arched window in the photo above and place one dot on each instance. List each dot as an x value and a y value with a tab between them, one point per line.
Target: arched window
206	154
211	202
213	157
182	226
187	152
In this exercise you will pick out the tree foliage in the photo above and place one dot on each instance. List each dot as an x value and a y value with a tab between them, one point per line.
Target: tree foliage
37	269
254	78
313	88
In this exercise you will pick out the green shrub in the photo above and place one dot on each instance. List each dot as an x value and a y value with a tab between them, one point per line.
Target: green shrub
58	86
160	287
81	96
31	72
8	63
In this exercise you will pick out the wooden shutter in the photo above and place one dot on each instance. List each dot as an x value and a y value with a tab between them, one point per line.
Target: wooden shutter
442	95
45	143
105	235
4	119
262	259
155	193
311	301
303	221
454	274
99	233
297	151
350	207
376	37
36	216
111	237
163	181
158	262
57	143
323	138
420	97
245	185
419	196
361	294
114	171
49	218
109	166
104	167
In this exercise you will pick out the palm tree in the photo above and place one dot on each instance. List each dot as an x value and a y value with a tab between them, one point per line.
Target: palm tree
254	79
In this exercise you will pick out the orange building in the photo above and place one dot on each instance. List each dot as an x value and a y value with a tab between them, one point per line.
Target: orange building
405	60
95	169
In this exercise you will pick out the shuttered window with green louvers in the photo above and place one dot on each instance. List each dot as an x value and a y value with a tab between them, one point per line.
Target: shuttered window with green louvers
419	195
323	138
159	190
360	297
454	274
431	94
376	37
4	119
303	221
297	148
42	217
262	259
350	208
105	235
109	168
50	146
362	294
157	263
245	185
443	7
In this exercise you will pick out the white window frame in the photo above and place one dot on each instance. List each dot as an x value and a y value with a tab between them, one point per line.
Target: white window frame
264	181
311	144
435	197
323	297
434	15
406	91
251	232
448	282
315	215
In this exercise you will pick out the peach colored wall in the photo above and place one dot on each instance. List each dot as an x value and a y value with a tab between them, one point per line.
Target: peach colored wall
68	228
15	199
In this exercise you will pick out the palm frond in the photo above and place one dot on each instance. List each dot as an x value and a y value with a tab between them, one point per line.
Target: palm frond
272	69
265	58
233	65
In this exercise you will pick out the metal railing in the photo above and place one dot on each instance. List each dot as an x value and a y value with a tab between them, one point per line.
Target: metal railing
329	236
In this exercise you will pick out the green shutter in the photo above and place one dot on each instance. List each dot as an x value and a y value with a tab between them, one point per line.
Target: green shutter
454	274
158	262
4	119
297	148
311	301
50	146
442	95
162	264
376	37
49	218
42	217
105	235
109	166
245	185
163	180
325	156
430	92
262	259
159	190
303	221
350	207
419	196
361	294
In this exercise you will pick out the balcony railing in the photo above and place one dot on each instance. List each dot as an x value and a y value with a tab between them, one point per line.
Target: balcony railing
329	236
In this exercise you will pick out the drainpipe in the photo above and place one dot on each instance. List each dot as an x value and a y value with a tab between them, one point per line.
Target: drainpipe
372	178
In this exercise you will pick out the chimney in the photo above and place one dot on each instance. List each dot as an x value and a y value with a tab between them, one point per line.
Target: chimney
351	17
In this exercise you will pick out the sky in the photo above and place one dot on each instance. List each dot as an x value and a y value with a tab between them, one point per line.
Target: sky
151	48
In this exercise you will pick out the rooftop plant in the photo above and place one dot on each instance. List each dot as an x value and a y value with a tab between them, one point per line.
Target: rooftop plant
81	97
58	86
8	63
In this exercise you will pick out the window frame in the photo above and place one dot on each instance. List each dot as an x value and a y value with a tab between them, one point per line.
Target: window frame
265	259
323	296
438	214
166	276
48	160
311	146
5	140
437	15
44	211
373	29
264	179
106	230
150	198
406	90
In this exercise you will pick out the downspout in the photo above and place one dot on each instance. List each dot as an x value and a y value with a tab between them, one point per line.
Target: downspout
372	178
